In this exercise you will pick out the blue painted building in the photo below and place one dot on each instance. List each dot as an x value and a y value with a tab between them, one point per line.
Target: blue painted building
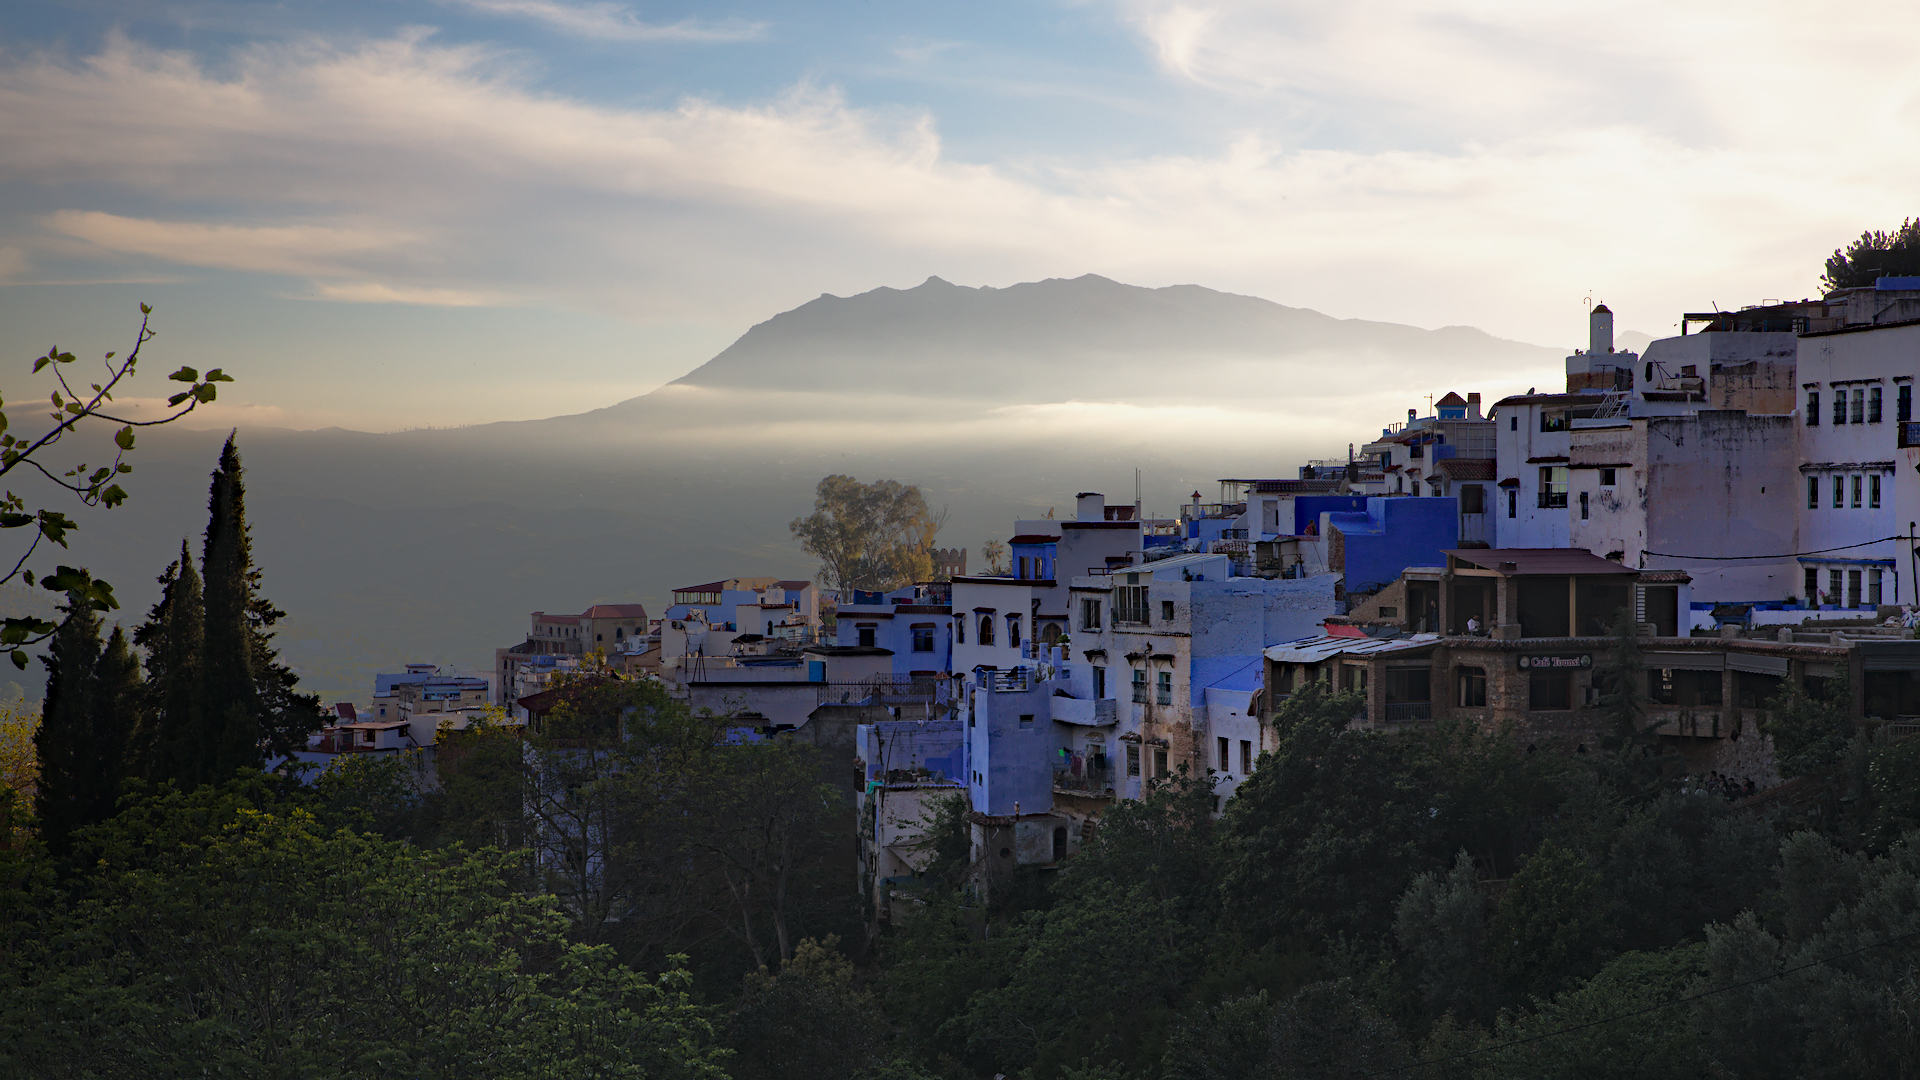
1391	534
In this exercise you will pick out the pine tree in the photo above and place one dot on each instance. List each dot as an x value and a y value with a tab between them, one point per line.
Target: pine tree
230	696
172	741
68	794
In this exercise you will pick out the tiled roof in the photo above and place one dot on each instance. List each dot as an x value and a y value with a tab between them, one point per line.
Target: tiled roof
1467	468
615	611
1540	561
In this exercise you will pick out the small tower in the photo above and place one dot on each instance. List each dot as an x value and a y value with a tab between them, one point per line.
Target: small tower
1600	330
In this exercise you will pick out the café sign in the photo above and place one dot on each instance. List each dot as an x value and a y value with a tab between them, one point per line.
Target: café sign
1581	661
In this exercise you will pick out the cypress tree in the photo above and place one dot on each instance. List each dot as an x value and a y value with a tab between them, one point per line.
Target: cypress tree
174	740
230	695
68	793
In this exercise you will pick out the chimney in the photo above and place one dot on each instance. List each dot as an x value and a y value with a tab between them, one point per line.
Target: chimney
1600	330
1473	406
1090	506
1412	415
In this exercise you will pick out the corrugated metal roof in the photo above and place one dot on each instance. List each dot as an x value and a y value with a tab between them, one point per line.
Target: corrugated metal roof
1315	649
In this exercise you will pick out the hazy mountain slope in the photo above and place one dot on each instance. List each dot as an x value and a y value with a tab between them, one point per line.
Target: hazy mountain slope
999	402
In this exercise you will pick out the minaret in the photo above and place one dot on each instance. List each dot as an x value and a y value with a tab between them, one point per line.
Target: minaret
1600	330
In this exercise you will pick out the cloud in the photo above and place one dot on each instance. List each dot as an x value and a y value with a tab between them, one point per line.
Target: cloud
616	22
409	171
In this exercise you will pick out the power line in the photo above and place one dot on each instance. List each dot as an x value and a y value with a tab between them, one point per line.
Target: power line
1788	555
1652	1008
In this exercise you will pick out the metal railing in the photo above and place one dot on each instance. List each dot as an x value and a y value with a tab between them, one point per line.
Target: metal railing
1409	710
1016	681
890	689
1095	779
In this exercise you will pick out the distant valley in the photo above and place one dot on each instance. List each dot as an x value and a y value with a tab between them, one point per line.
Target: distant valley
434	545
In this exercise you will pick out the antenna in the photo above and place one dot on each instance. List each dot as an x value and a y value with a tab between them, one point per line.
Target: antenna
1136	494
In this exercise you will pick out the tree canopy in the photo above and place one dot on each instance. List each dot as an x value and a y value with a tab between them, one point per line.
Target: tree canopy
871	537
1876	254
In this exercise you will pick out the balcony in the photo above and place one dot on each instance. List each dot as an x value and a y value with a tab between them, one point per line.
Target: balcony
1017	681
885	690
1089	779
1087	712
1398	711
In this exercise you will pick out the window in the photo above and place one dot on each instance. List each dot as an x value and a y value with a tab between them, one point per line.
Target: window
1813	588
1813	408
1583	506
1473	687
986	629
1013	631
1026	719
1813	493
1473	499
1023	568
1139	686
1133	759
1873	404
1856	491
1873	491
922	638
1089	614
1513	502
1550	690
865	636
1513	422
1099	681
1225	764
1608	477
1246	757
1130	604
1164	690
1903	402
1853	588
1873	588
1416	451
1553	486
1859	405
960	630
1159	761
1835	588
1166	611
1555	420
1839	492
1839	406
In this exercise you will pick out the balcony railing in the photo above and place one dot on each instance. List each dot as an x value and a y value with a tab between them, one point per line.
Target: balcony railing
1016	681
1409	710
1553	500
891	689
1090	778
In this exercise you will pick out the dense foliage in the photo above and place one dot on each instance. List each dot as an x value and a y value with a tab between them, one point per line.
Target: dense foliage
1875	254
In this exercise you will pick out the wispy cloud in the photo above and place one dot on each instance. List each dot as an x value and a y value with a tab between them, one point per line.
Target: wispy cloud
616	22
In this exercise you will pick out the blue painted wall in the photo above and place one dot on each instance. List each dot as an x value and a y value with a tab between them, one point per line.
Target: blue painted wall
1393	534
1308	508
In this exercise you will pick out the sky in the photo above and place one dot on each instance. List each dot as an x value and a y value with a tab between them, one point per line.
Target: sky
424	213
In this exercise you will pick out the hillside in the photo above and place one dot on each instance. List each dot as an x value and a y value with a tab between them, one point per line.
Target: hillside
433	545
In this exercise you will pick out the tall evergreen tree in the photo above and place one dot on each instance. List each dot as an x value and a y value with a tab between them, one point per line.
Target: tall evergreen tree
248	697
230	694
174	736
69	791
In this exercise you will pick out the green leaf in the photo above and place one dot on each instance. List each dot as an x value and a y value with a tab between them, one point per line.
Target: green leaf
204	391
124	438
113	496
14	521
216	375
20	659
185	374
179	397
145	310
58	401
29	577
40	363
55	526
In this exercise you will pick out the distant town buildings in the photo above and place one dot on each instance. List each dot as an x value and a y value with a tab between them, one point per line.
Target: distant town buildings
1739	498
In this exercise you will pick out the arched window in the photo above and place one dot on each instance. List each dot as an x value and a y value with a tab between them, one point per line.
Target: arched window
1051	635
1013	631
986	629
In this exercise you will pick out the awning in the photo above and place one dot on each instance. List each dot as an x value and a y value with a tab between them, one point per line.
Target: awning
1758	665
